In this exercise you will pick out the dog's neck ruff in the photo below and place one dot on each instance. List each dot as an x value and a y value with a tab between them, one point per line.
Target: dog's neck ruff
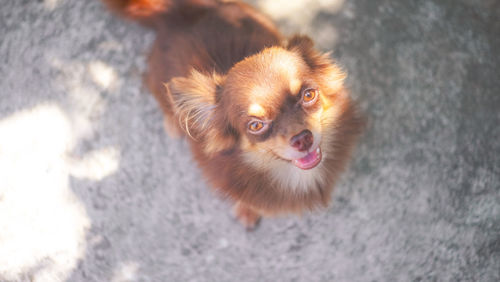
285	175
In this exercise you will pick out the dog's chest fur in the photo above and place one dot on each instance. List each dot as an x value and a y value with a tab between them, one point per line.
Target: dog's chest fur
290	178
285	176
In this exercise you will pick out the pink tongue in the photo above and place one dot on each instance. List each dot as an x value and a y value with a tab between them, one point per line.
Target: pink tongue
311	160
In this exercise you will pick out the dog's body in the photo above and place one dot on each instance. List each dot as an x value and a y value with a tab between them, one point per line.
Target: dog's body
269	123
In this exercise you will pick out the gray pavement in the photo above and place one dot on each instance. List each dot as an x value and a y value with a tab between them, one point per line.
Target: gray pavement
92	189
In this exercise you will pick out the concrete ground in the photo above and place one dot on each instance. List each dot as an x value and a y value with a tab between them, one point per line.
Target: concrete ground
92	189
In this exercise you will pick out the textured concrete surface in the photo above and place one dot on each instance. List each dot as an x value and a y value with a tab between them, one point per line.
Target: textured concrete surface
92	189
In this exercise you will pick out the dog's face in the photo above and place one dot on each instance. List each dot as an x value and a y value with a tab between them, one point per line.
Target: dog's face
278	105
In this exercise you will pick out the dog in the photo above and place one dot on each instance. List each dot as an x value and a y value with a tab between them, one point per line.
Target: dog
268	120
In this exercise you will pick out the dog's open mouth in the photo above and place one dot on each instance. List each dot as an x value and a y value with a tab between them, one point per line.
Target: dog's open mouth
311	160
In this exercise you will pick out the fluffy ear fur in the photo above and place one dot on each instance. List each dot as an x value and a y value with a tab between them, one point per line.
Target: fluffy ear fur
320	64
195	106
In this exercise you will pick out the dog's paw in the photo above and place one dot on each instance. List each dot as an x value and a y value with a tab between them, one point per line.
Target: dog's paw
246	216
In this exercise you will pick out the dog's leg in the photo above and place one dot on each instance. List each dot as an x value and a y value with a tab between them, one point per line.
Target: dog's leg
246	215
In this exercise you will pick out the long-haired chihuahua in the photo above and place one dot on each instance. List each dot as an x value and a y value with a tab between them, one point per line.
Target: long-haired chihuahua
268	120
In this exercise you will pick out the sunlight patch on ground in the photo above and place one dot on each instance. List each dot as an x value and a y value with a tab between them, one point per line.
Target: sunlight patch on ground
42	223
86	85
298	12
96	165
126	272
51	4
102	74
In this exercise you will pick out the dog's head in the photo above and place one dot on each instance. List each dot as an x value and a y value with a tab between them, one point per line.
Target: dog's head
281	104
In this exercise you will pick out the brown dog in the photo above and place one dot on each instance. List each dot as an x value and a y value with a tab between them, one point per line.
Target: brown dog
268	121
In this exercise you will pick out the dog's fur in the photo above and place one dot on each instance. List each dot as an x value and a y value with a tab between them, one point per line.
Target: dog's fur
215	67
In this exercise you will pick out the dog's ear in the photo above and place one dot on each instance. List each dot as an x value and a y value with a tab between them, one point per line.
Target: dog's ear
194	99
320	63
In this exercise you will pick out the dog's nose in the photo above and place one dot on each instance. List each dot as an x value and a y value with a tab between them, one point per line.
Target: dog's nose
302	141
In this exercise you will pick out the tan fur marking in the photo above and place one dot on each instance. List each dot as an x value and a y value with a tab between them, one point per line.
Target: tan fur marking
256	110
295	85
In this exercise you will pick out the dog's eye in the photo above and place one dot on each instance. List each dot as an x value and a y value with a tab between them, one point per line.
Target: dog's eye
256	126
309	96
